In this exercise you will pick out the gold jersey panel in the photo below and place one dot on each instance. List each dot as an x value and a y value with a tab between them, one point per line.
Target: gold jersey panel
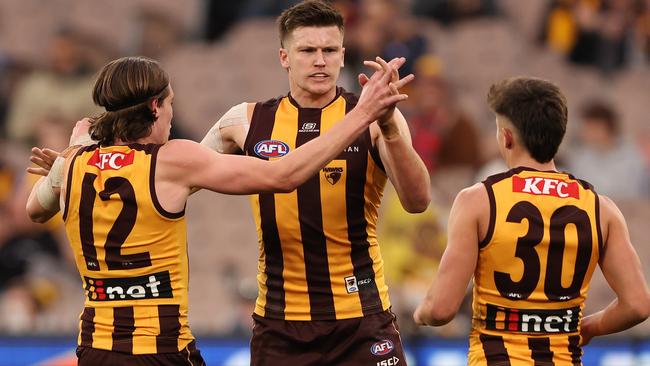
319	256
534	269
130	252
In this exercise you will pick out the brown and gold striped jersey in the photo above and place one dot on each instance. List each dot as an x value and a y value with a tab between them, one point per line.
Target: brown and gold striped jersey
534	268
130	252
319	257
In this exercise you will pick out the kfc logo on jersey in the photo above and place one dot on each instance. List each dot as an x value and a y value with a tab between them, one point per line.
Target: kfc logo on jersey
531	320
382	348
111	160
271	149
546	187
333	174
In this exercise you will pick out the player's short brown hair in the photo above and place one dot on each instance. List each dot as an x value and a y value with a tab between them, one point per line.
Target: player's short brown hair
538	110
125	87
309	13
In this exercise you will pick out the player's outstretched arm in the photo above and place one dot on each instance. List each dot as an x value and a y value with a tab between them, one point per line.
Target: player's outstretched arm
622	270
458	262
203	168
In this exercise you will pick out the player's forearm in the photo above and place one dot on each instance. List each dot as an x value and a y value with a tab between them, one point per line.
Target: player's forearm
304	162
616	317
409	175
38	211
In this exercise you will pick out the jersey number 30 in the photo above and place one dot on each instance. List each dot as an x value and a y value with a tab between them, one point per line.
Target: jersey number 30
525	250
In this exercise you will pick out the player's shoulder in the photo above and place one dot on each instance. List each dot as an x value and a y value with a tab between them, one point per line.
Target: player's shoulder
473	194
178	149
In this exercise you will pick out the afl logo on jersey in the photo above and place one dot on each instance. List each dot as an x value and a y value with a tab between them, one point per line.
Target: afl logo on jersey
271	149
382	347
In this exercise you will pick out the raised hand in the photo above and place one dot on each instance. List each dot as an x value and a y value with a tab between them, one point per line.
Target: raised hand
380	92
44	158
80	135
385	122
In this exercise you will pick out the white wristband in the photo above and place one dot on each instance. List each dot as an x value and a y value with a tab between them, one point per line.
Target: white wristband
46	196
55	175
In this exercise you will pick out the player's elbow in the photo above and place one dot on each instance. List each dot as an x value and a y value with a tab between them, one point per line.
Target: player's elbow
36	213
434	314
418	203
442	315
640	308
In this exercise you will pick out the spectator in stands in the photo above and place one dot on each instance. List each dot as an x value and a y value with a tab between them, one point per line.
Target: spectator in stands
63	89
603	34
642	31
443	134
451	11
604	158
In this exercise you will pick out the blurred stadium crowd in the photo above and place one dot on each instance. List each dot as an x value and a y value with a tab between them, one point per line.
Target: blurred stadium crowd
220	53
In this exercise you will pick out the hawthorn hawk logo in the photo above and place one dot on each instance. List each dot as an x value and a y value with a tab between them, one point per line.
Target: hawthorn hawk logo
333	174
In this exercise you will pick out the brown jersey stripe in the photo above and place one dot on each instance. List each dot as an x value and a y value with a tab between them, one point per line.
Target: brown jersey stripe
123	328
540	350
321	301
153	149
87	326
86	204
599	232
170	328
357	233
261	129
64	215
495	350
575	349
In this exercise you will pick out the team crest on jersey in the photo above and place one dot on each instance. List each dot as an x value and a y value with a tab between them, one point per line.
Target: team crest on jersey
271	149
351	284
333	174
112	160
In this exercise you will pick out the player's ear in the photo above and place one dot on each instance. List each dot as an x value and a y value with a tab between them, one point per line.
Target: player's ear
284	58
508	138
153	105
343	57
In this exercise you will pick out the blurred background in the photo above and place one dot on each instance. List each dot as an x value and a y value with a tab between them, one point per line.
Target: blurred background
220	53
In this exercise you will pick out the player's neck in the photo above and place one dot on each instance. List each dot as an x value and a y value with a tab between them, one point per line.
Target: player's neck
529	162
310	100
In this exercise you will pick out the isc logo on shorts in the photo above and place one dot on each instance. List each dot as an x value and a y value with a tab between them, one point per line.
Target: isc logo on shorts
393	361
112	160
271	149
382	348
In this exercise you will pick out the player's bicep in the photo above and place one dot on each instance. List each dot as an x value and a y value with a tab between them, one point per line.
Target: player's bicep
231	174
619	261
459	259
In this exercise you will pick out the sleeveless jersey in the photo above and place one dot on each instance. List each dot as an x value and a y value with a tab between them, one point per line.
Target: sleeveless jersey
130	252
319	257
534	269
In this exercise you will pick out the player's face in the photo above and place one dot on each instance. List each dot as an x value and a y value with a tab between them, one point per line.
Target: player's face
313	56
163	124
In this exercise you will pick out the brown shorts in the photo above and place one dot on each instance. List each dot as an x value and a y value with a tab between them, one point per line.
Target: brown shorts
189	356
372	340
